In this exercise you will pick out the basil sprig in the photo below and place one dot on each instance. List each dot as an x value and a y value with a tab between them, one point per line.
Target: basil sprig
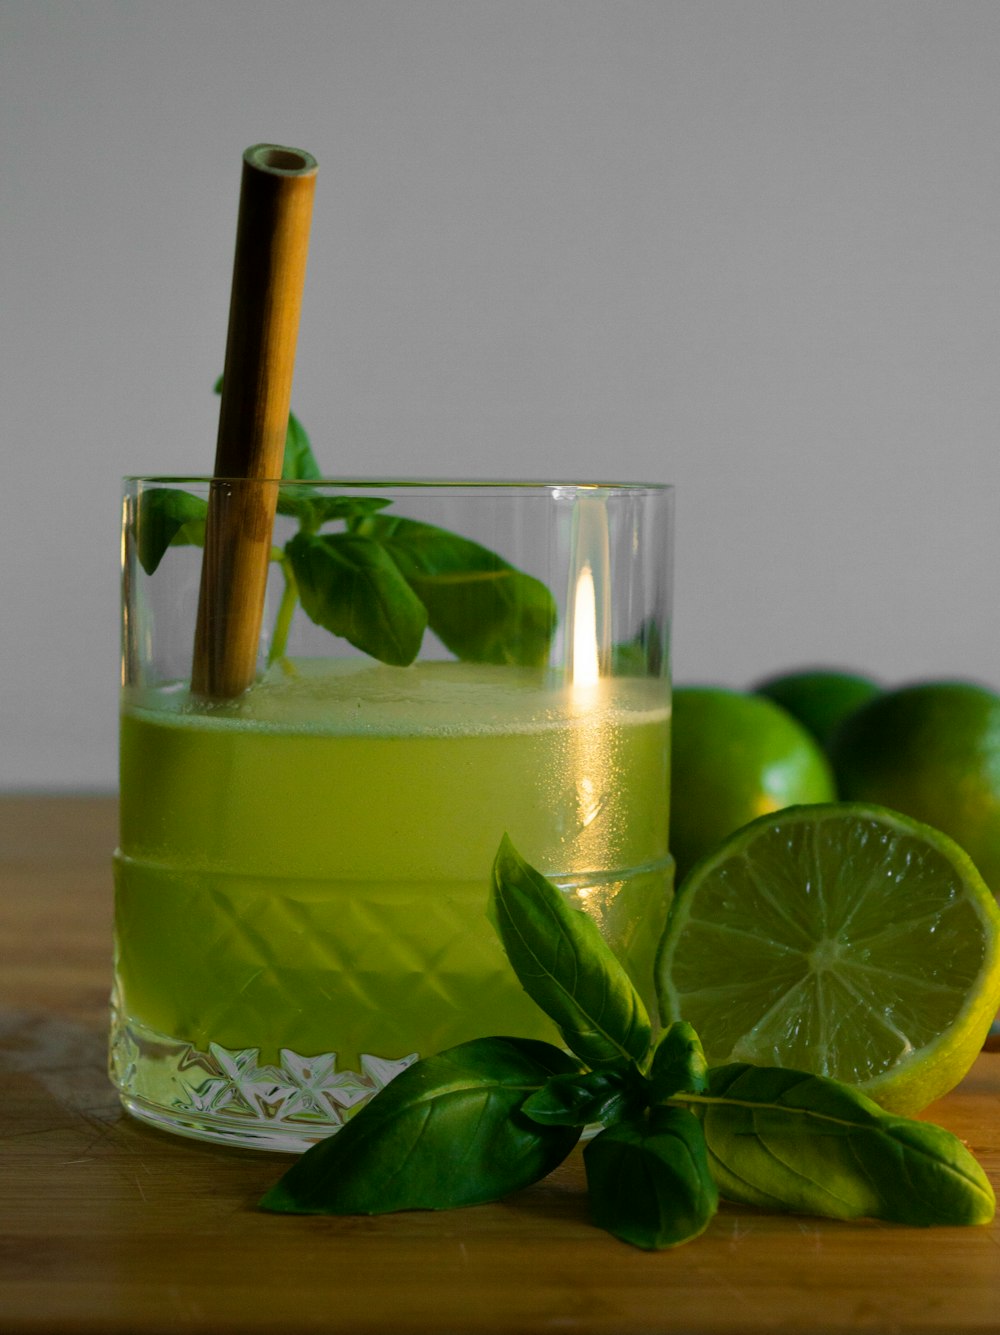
492	1116
379	581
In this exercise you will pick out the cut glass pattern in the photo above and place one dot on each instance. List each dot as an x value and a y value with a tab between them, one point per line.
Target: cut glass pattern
175	1084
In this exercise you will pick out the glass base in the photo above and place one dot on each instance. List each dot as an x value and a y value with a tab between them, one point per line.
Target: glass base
230	1097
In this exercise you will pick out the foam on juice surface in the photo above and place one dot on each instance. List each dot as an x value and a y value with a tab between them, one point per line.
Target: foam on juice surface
348	696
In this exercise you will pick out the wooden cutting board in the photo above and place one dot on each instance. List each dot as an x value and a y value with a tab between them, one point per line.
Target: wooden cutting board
107	1226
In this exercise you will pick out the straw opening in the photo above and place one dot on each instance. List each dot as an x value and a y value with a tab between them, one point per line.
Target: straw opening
272	157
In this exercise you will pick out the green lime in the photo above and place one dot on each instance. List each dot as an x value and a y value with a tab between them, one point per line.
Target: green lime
819	697
931	750
735	756
842	939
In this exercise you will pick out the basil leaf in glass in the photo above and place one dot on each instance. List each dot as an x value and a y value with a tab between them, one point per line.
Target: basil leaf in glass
352	587
445	1132
312	510
785	1140
641	656
649	1180
483	609
167	517
678	1063
566	966
299	462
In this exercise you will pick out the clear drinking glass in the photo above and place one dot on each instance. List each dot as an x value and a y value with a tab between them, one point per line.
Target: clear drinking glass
303	871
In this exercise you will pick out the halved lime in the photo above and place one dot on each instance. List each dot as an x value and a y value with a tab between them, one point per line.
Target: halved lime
842	939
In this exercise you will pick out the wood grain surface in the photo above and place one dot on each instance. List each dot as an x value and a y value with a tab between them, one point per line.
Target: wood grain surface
108	1226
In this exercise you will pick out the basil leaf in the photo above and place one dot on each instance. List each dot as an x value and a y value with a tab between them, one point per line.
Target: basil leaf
649	1181
167	517
312	511
352	587
581	1099
566	966
445	1132
785	1140
481	608
299	462
678	1063
641	656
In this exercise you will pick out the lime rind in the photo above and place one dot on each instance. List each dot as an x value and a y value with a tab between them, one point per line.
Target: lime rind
844	939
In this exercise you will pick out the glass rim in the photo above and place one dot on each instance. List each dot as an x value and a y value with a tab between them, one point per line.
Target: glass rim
517	486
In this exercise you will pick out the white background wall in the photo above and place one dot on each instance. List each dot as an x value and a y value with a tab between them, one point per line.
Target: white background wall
746	246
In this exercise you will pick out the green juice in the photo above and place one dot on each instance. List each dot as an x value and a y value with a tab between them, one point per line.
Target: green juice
303	874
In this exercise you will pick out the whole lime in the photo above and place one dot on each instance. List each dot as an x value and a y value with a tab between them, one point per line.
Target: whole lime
735	756
931	750
819	697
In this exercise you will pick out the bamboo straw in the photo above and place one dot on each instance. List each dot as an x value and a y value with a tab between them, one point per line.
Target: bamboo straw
272	239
